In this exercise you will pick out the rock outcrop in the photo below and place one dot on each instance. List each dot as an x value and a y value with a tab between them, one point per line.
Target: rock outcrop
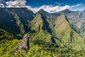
24	44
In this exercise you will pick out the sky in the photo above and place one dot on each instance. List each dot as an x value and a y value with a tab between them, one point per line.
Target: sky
35	3
50	6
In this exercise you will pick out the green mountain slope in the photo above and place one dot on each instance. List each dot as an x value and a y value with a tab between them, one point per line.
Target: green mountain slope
66	35
8	44
62	41
37	23
36	26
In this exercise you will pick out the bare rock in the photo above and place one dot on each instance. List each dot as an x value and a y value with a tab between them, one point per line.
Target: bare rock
24	44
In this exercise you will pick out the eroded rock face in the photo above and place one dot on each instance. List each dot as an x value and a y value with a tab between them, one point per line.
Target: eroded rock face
24	44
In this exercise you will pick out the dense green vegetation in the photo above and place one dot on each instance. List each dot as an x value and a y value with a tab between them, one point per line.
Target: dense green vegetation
62	41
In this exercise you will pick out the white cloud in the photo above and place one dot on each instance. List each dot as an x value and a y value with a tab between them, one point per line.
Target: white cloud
53	9
77	5
48	8
16	3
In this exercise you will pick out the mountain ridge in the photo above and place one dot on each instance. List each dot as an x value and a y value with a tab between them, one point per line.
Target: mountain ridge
42	35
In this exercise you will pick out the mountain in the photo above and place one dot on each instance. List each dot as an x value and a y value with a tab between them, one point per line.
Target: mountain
7	19
42	34
67	11
51	15
82	14
37	23
41	11
76	18
64	34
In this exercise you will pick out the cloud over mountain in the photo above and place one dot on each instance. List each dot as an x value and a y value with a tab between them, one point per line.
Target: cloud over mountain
48	8
52	9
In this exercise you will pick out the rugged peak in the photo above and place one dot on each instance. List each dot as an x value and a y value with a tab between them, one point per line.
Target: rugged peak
61	23
42	11
84	10
65	34
37	23
67	11
38	15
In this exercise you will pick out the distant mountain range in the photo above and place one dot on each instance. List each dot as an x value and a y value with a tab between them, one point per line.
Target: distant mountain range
60	30
7	20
